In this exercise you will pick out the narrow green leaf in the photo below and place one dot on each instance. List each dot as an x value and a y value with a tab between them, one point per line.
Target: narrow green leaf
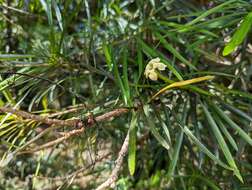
174	51
221	21
203	148
166	124
38	163
238	93
7	57
152	3
14	78
166	132
209	12
238	112
106	51
8	95
58	14
139	60
226	133
48	9
239	35
153	129
132	144
9	130
232	124
120	82
179	140
125	76
222	143
208	182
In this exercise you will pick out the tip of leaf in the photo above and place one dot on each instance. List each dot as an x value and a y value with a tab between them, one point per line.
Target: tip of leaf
226	51
238	175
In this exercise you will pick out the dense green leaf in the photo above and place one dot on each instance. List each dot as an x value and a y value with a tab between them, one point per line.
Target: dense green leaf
89	63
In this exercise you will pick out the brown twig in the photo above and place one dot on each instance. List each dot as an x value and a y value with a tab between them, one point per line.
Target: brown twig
67	135
113	113
43	119
90	121
70	110
71	122
119	161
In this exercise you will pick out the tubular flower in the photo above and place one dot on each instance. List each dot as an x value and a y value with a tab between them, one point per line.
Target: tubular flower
152	66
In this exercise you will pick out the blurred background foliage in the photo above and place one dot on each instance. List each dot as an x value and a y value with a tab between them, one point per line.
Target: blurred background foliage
89	56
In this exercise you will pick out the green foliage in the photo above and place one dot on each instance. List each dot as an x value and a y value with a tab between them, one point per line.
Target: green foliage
67	59
239	35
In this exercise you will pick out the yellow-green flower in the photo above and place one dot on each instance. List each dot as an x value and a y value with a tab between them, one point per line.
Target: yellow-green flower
152	66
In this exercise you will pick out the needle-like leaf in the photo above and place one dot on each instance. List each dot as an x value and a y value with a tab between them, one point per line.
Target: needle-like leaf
222	143
132	143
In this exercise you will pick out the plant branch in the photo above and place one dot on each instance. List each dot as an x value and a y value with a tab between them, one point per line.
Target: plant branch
119	161
75	122
66	136
90	121
43	119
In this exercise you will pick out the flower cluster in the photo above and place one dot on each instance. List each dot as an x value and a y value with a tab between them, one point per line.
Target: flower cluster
152	66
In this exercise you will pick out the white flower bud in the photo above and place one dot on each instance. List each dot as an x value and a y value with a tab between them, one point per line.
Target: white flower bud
152	66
